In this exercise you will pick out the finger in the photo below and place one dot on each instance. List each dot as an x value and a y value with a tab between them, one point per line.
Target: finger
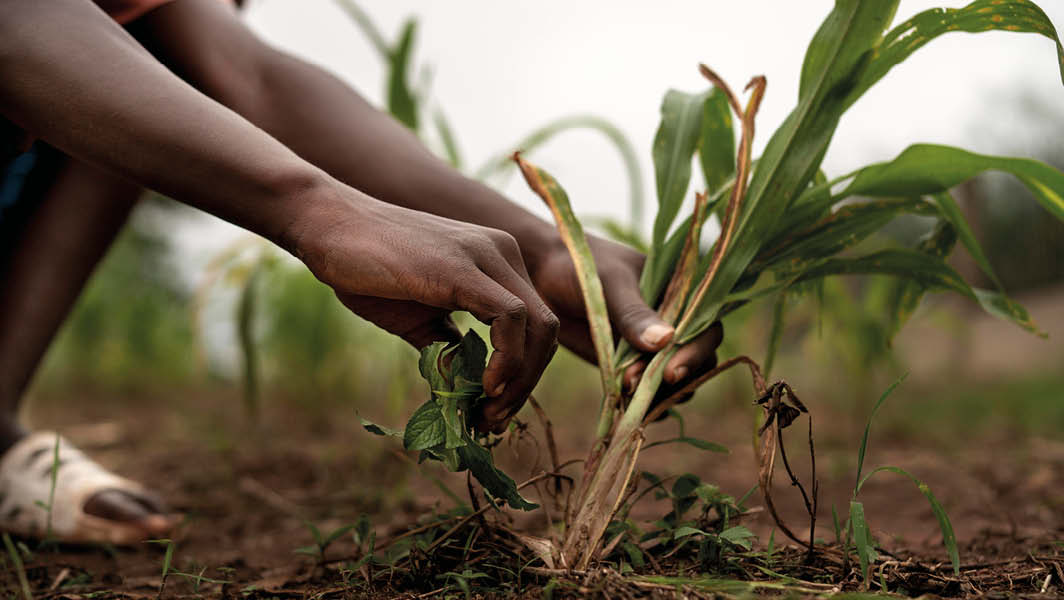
507	315
696	357
638	323
541	342
632	375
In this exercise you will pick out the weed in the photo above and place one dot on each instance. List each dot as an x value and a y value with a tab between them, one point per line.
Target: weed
322	541
18	567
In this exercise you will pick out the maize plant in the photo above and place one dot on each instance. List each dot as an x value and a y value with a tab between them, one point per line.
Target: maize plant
785	225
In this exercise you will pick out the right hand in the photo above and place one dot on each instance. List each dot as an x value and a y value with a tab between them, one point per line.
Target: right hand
406	271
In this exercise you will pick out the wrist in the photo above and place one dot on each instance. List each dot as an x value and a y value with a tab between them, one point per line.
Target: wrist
318	209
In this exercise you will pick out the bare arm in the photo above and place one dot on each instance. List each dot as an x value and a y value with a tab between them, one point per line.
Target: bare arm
329	124
69	75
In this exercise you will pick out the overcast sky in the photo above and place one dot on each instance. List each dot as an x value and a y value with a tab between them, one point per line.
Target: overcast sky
501	68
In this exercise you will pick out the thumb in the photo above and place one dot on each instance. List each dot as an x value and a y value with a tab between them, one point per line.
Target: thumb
638	323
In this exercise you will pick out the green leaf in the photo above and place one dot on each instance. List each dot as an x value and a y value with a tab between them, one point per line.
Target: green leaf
450	144
979	16
572	234
905	294
949	539
426	428
775	333
674	148
949	210
690	441
739	535
682	532
635	555
932	169
845	228
379	430
452	421
868	428
429	366
841	47
928	271
613	135
478	460
335	535
368	27
716	147
862	538
401	100
469	358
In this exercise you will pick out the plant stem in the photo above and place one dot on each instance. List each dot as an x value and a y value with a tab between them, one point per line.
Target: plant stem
596	502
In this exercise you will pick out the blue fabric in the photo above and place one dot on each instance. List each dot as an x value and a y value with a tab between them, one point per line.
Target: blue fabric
13	179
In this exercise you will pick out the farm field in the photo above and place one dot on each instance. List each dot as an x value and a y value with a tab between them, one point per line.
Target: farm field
991	453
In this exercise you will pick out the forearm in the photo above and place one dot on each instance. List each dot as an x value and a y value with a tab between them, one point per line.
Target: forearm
324	120
328	123
93	92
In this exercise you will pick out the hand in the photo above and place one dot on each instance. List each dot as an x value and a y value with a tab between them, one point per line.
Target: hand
618	268
406	271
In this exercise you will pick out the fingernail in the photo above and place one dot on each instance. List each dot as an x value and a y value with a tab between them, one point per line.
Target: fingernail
679	373
499	389
656	335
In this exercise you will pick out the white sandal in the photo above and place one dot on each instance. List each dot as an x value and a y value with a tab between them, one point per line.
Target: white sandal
26	482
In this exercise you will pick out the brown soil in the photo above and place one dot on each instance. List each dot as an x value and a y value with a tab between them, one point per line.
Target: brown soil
247	490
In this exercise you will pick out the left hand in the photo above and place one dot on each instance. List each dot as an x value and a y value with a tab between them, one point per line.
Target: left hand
619	267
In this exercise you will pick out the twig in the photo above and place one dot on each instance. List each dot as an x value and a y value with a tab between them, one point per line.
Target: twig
548	432
755	373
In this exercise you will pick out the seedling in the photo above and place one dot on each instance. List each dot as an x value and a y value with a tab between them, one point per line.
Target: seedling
857	523
322	541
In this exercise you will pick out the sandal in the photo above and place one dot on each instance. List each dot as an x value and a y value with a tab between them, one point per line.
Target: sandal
26	483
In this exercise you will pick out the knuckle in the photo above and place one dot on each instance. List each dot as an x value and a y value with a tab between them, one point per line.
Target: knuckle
514	308
506	243
550	322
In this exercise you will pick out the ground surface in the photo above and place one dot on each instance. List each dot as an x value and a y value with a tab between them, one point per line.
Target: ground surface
246	492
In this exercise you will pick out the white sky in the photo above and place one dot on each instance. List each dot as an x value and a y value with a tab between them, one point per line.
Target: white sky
502	68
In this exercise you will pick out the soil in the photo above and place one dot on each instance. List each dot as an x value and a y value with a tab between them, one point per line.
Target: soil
247	490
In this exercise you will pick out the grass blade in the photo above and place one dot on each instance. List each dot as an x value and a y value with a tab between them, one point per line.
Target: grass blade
612	133
450	144
868	428
20	569
928	271
905	294
949	539
846	227
862	538
949	210
674	147
775	333
716	146
368	27
572	235
401	100
979	16
931	169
